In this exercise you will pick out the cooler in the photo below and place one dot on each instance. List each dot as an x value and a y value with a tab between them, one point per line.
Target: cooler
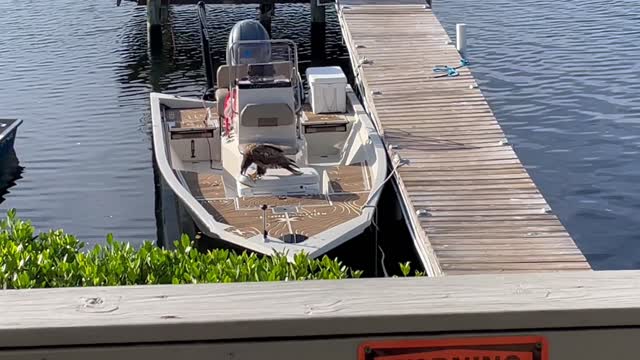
327	89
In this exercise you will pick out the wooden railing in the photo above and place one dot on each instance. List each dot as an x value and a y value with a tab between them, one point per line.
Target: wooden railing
581	315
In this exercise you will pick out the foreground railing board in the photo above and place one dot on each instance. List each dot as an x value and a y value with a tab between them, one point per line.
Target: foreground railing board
282	310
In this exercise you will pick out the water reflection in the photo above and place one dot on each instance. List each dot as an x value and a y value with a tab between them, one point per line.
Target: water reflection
10	173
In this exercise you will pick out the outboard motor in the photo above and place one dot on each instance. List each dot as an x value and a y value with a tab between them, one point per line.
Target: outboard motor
248	30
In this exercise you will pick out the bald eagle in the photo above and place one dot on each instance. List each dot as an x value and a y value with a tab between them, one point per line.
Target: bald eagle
266	157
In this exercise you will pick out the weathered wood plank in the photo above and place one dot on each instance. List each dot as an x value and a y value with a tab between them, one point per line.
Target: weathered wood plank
215	313
515	247
473	187
517	265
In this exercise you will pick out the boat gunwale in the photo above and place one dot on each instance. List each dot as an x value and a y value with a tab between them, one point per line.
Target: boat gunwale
10	129
337	234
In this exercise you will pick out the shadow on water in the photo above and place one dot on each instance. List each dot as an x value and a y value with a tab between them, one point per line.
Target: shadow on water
10	172
379	254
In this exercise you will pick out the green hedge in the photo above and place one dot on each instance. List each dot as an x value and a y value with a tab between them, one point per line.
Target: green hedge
56	259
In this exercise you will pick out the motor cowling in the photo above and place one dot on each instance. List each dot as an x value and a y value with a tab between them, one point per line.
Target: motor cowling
248	30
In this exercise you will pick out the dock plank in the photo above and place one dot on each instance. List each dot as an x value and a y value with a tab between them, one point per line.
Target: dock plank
484	214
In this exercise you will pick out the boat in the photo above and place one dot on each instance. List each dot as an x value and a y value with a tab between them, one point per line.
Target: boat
259	163
8	130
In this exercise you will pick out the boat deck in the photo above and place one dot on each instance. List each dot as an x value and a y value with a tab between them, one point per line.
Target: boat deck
471	203
305	215
191	118
312	118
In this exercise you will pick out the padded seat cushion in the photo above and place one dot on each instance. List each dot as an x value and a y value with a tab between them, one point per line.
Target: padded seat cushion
221	95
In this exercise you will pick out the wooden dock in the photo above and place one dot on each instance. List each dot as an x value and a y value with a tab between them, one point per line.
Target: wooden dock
471	204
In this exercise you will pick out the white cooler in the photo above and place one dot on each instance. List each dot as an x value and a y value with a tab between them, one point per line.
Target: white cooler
327	89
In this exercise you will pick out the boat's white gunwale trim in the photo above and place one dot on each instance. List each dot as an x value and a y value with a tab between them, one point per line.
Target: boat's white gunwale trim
10	129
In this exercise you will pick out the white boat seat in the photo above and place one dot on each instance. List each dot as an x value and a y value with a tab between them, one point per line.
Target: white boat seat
224	72
272	123
281	182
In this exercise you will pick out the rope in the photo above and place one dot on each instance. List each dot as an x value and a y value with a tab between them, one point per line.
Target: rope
450	71
393	171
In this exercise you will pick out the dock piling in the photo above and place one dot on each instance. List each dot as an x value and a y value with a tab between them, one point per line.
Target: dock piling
461	39
317	12
318	30
157	15
266	14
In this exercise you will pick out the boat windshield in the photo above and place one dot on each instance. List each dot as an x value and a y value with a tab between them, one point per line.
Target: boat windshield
264	62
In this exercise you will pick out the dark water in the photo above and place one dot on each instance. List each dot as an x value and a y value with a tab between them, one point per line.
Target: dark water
562	78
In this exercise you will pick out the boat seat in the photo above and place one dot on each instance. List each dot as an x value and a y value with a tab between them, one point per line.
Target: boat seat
272	123
241	70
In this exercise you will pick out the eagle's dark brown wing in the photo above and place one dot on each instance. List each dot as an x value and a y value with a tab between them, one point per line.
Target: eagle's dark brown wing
271	147
268	156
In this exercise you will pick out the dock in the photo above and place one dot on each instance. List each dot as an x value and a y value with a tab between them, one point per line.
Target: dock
470	203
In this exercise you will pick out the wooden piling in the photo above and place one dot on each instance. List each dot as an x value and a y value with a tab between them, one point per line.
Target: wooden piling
317	12
318	32
266	14
157	15
461	38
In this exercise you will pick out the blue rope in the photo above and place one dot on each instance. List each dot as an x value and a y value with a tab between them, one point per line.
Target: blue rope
450	71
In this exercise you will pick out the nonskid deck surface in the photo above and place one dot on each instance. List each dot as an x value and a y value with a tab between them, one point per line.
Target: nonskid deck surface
190	118
322	118
350	187
194	118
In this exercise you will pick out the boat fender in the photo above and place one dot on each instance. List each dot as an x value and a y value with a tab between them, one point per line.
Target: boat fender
230	102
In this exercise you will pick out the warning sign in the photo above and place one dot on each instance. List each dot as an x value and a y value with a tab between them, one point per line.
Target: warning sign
484	348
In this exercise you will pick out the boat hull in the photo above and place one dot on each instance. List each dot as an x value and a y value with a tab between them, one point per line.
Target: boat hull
8	131
319	223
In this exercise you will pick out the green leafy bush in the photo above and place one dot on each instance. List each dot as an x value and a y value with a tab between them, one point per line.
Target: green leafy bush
56	259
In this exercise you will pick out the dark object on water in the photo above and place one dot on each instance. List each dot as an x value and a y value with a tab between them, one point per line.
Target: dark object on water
266	157
10	169
10	172
206	52
8	129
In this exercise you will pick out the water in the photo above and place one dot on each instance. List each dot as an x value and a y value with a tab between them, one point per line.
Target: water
562	79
